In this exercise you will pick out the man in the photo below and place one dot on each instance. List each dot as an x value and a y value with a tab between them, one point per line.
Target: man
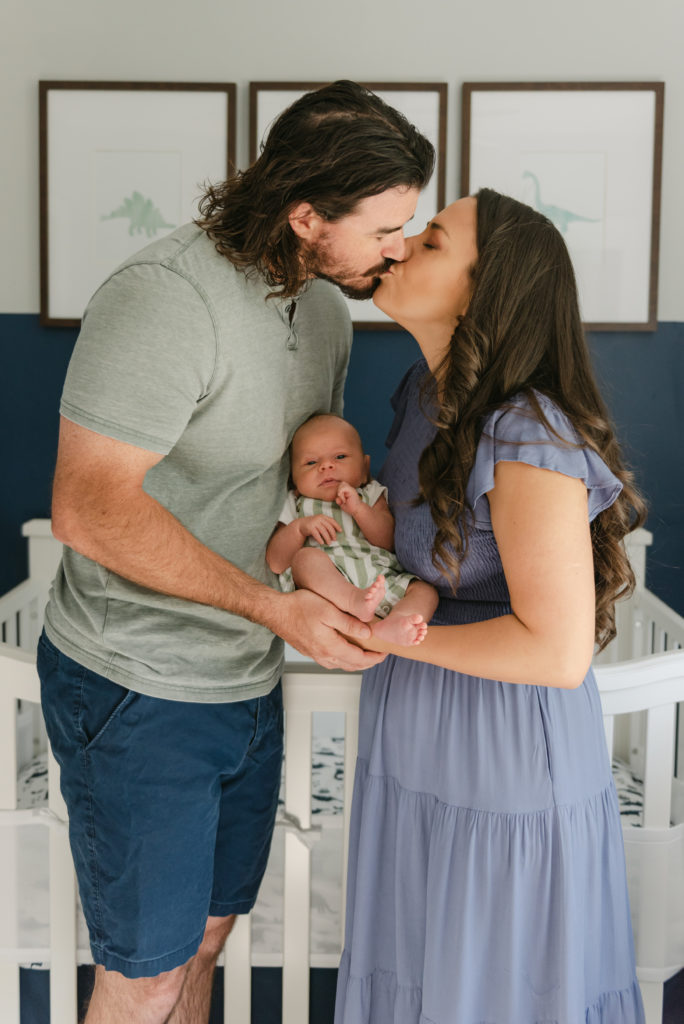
197	360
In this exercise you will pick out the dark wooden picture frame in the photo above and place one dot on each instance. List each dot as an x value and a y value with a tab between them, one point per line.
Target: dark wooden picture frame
79	164
365	315
613	162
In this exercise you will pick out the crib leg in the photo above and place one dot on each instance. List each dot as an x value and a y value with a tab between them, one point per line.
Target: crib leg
9	993
652	995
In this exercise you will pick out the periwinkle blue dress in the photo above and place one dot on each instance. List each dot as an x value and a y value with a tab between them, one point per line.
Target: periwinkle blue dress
486	865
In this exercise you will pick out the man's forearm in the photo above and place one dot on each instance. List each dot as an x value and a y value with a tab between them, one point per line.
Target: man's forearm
139	539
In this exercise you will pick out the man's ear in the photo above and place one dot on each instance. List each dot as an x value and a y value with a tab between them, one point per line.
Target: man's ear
304	221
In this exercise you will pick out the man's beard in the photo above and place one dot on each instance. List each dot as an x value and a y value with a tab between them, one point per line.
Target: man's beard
320	263
354	291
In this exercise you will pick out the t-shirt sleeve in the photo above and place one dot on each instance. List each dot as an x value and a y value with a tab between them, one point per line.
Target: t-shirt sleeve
143	360
372	491
289	511
515	434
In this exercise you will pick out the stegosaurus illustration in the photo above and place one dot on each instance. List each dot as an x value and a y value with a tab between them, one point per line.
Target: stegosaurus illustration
142	215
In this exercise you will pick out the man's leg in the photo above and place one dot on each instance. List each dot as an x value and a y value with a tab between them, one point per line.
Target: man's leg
181	996
171	814
195	998
120	1000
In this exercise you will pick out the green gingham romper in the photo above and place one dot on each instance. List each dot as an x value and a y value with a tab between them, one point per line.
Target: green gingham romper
358	560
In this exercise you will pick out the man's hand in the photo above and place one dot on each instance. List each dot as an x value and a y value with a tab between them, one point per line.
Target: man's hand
348	499
321	527
312	626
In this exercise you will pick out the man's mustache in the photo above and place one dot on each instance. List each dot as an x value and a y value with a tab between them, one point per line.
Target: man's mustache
381	268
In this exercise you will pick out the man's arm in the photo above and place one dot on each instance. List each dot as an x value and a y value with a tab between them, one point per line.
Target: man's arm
101	510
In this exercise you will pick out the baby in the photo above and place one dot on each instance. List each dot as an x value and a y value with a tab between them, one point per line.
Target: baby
336	534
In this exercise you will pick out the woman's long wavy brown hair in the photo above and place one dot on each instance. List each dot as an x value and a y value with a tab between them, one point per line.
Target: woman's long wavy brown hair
332	148
521	334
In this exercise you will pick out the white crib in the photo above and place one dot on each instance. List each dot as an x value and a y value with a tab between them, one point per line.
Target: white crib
641	678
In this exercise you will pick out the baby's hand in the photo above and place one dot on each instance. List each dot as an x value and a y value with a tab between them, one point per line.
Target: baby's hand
348	499
321	528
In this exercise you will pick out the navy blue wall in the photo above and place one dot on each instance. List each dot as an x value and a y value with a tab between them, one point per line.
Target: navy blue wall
642	376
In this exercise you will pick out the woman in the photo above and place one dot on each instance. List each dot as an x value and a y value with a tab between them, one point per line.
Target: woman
486	872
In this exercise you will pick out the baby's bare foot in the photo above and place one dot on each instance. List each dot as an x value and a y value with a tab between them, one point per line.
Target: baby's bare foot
364	602
406	630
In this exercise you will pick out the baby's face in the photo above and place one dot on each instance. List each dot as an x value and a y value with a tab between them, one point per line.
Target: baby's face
325	453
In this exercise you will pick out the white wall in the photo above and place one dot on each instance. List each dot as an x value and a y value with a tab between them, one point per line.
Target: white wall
297	40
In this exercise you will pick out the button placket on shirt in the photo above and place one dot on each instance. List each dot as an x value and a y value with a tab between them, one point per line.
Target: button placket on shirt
289	315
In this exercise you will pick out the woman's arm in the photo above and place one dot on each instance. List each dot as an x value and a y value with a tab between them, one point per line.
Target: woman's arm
541	526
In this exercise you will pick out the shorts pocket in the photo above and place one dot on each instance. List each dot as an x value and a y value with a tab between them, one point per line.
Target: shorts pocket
101	703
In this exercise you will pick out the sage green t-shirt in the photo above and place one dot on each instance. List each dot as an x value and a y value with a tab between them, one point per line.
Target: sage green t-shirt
181	354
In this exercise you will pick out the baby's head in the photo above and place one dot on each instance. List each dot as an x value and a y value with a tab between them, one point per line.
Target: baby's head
326	451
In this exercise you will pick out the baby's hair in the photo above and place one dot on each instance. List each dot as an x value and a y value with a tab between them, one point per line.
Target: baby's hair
324	416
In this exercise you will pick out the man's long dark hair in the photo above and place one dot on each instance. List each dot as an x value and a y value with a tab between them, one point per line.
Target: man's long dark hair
522	334
332	148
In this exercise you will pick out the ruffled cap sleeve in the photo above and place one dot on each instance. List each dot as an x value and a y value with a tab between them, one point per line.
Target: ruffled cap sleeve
514	434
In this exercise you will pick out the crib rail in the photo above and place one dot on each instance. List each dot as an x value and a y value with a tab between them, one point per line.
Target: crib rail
21	615
653	685
660	627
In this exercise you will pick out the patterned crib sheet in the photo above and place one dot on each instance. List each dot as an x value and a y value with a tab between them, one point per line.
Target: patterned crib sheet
328	782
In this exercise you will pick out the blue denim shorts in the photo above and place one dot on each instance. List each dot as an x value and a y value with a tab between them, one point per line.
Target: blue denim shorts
171	809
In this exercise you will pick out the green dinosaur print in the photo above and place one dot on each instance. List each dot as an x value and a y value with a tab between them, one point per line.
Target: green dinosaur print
556	214
142	215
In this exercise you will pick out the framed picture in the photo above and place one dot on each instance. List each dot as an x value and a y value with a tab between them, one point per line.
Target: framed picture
425	106
121	164
589	156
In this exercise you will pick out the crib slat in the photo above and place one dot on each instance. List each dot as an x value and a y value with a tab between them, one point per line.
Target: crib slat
351	743
659	764
297	886
63	1001
8	750
11	633
638	638
652	995
9	993
237	973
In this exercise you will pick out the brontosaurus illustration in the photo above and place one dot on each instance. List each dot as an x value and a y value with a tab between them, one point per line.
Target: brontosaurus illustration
142	215
558	216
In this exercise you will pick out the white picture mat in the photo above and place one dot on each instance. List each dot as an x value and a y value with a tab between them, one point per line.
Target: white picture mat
592	153
104	146
422	108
